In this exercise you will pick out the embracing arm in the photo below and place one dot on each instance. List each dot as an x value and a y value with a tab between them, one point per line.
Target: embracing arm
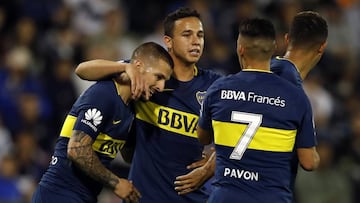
309	158
98	69
80	152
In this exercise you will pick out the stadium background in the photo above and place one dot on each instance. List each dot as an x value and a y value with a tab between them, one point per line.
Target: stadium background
42	41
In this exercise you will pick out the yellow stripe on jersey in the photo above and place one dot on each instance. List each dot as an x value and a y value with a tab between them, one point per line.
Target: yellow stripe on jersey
107	145
103	144
68	126
167	118
266	139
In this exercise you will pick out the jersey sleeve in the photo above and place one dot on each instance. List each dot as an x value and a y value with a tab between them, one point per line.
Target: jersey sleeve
94	110
306	136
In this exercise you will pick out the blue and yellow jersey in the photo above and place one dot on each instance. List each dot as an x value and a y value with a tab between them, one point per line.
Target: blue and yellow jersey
166	139
257	119
100	113
286	70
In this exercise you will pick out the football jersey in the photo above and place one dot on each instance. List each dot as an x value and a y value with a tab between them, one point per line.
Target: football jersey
166	139
286	70
257	119
100	113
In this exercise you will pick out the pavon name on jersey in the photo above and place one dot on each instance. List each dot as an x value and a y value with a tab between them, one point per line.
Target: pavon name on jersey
252	97
241	174
167	118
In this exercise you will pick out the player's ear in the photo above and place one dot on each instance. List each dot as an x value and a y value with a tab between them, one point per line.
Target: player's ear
168	42
275	46
286	39
139	64
322	47
240	49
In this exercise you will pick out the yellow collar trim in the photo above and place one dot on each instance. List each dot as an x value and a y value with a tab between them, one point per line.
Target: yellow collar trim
282	58
117	86
196	71
258	70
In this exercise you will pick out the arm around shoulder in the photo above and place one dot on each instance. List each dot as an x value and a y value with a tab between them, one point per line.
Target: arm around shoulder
98	69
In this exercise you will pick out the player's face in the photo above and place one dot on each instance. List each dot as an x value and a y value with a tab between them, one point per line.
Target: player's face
156	73
187	42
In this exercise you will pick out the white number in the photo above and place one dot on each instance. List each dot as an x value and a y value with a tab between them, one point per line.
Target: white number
253	121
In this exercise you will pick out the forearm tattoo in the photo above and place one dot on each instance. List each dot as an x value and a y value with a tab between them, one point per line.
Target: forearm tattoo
82	154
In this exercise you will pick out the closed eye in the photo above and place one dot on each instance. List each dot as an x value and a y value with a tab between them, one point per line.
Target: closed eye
160	77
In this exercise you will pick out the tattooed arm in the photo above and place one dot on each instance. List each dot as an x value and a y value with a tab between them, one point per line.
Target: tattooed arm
80	152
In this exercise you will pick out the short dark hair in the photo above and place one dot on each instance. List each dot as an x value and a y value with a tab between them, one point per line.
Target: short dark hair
257	27
258	37
152	49
308	29
182	12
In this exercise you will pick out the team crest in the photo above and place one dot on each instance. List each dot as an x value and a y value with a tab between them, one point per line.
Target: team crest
200	95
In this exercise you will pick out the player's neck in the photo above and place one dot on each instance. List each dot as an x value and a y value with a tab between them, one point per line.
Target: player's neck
183	72
125	93
303	60
256	65
123	88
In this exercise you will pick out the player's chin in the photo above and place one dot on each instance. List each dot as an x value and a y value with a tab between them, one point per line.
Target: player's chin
193	59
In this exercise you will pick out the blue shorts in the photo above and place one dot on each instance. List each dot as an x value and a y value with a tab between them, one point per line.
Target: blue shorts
44	195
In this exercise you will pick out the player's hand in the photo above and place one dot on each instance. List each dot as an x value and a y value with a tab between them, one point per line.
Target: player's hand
205	158
191	181
196	178
138	82
127	191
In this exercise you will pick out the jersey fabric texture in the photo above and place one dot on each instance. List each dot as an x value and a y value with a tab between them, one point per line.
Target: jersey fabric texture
286	70
100	113
166	139
257	118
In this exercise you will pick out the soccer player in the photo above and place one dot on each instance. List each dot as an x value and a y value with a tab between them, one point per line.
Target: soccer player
306	42
165	126
95	130
255	118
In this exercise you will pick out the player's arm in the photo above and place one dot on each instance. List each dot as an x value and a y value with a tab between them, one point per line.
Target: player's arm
196	178
205	136
309	158
193	180
306	139
98	69
80	152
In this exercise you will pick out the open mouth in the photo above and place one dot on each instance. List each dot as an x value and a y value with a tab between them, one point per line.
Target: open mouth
195	52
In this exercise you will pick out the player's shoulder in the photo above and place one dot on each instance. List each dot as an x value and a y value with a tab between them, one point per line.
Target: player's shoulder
101	89
278	64
224	81
206	73
288	87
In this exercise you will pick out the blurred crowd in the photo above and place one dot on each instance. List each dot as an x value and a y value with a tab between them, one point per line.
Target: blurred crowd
42	41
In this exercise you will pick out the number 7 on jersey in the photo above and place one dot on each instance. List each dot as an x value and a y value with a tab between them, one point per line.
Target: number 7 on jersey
253	121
